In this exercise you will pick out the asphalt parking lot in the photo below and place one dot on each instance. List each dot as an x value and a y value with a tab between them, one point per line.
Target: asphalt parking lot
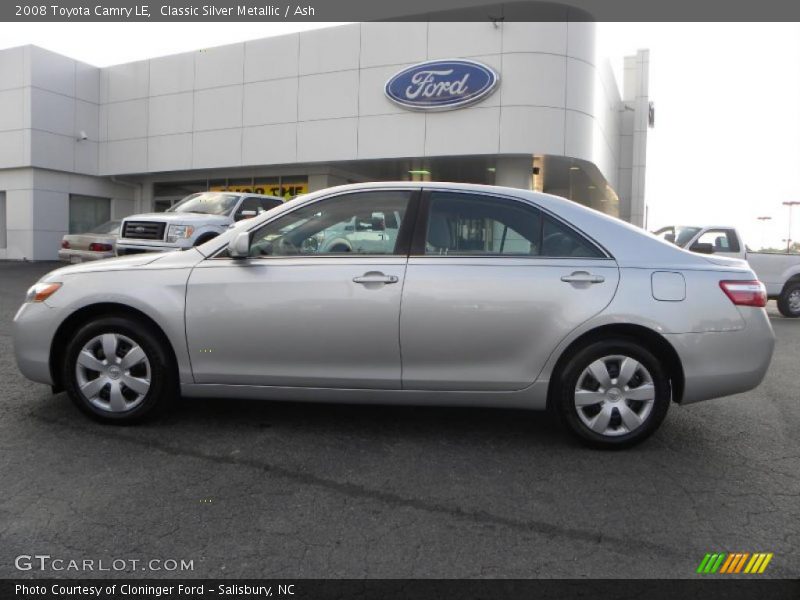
257	489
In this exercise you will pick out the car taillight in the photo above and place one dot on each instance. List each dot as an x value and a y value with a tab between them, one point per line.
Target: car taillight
65	244
95	247
745	293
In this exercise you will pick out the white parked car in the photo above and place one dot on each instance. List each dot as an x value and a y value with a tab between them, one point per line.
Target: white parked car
95	244
194	220
779	272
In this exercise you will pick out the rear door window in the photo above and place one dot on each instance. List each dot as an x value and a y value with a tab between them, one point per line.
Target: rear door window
476	224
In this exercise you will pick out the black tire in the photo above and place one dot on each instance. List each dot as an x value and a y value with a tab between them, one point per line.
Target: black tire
783	300
567	380
163	381
203	239
339	248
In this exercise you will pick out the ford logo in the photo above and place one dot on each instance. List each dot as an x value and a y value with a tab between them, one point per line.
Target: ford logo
441	85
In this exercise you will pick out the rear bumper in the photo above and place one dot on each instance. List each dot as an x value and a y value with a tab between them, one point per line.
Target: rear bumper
719	364
73	256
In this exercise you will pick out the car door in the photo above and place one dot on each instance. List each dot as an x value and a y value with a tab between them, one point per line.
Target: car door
493	284
725	242
295	313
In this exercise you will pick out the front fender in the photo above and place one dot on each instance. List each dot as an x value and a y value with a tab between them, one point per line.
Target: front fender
158	293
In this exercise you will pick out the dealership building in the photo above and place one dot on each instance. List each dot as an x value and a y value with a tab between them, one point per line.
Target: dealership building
80	145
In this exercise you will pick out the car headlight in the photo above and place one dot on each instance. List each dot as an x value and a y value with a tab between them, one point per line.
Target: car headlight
39	292
179	232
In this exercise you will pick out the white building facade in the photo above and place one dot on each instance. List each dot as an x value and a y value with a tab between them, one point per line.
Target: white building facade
295	113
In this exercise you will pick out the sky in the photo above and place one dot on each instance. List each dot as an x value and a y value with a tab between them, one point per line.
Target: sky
725	148
726	145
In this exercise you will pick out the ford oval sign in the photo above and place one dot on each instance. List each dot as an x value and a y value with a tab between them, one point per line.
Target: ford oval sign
442	85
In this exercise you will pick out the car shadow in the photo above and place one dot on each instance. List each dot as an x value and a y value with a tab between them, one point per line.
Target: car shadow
368	419
244	419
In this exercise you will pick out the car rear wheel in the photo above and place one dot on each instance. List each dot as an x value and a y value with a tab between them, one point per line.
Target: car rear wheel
789	300
613	393
117	370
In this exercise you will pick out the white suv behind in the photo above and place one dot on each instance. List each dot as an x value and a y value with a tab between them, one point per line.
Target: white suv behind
191	222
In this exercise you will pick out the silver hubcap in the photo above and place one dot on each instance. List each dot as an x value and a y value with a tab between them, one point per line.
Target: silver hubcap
614	395
113	372
794	301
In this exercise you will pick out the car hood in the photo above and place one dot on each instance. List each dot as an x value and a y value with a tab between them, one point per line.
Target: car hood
160	260
185	217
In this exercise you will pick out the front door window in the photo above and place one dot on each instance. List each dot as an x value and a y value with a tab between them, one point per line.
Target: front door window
362	223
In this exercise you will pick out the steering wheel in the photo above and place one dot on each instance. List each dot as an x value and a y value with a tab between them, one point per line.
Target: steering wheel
286	247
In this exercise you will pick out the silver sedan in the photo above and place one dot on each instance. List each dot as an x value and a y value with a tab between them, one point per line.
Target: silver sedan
466	295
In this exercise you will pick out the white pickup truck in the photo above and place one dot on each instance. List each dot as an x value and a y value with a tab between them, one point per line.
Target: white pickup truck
191	222
780	272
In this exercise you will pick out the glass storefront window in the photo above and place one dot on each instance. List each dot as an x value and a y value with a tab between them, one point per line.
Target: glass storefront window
290	187
167	194
87	212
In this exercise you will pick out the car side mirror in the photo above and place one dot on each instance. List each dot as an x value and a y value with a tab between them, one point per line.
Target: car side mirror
702	248
245	214
670	237
240	246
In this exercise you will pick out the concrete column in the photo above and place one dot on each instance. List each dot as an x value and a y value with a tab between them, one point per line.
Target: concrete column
3	226
514	171
317	181
145	200
634	110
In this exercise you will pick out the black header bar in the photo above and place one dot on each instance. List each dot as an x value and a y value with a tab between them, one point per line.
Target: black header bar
388	10
711	588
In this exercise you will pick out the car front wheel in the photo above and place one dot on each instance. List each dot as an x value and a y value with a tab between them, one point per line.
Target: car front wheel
117	370
612	393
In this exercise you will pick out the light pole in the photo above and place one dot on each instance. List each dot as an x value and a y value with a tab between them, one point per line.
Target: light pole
763	228
790	204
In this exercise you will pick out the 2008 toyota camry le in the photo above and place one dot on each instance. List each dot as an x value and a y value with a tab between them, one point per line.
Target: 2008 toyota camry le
413	293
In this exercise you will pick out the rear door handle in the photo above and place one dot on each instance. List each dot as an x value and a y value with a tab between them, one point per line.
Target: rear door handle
583	277
376	278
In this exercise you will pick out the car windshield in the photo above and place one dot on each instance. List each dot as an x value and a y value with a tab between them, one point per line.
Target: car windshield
678	235
206	203
109	227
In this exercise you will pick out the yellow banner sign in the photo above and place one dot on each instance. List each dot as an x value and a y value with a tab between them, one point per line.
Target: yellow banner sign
286	191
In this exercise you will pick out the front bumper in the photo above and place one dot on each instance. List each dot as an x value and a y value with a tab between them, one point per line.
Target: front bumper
33	330
717	364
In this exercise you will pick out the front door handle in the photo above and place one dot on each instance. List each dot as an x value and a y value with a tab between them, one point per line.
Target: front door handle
583	277
375	277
